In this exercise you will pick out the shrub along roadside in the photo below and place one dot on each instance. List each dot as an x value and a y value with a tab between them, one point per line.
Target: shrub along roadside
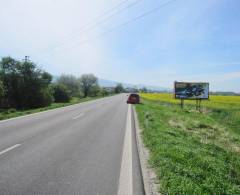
25	85
25	88
11	113
60	93
192	153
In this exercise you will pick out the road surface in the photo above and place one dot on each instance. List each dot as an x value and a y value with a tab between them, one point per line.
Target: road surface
85	149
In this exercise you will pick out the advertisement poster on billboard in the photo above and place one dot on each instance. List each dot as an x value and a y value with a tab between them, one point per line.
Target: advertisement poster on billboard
191	90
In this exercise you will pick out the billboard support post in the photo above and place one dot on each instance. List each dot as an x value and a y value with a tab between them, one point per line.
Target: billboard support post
191	91
182	103
198	104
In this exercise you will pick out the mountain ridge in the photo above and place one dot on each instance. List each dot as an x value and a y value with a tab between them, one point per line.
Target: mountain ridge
110	83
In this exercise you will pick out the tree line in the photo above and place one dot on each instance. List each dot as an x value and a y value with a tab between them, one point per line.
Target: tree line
23	85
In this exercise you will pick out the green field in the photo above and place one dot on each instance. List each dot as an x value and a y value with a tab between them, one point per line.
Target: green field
193	152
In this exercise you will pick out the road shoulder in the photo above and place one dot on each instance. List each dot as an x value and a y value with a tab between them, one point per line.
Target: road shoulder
149	177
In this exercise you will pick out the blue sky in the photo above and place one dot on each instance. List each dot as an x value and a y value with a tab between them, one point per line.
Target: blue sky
187	40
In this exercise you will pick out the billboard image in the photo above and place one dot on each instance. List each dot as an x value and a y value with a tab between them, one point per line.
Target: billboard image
191	90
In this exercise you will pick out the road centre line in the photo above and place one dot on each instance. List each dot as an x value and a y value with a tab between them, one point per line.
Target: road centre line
9	149
78	116
55	109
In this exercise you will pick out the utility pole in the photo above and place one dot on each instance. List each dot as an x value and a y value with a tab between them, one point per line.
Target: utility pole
26	59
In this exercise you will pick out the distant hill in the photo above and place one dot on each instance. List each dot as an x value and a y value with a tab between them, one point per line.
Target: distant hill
227	93
109	83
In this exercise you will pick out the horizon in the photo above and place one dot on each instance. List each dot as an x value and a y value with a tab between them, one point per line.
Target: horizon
135	42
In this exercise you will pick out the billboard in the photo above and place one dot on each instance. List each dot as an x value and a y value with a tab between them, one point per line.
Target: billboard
191	90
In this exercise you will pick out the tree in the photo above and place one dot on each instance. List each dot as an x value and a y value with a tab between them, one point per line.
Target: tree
144	90
104	92
1	89
10	79
94	91
87	81
71	83
47	78
45	98
60	93
26	86
119	88
1	94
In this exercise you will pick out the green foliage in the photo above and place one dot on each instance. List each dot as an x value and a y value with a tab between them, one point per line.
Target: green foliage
192	152
1	89
26	86
10	113
60	93
47	78
23	86
119	88
104	92
143	90
225	109
87	81
94	91
71	82
45	98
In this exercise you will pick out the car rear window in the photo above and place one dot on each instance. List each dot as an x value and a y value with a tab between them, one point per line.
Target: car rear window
134	95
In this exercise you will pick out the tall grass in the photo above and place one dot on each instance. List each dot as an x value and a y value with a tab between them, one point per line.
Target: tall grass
193	152
225	109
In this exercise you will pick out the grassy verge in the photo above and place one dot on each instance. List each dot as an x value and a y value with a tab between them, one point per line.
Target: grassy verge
192	152
11	113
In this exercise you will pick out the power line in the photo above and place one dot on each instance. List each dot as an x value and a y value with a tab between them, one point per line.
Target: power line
99	21
83	27
26	59
155	9
104	14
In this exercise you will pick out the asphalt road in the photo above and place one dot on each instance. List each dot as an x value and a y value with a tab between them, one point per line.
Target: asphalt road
73	150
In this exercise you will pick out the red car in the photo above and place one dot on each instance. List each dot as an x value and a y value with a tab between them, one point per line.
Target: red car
133	99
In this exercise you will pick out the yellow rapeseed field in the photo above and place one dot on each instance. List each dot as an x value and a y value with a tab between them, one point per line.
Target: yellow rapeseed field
215	101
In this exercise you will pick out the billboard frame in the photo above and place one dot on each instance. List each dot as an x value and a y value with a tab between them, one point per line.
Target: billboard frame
176	82
198	100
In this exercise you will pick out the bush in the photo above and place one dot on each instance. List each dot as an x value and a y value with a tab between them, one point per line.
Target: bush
46	97
60	93
23	85
71	82
12	110
103	92
1	89
94	91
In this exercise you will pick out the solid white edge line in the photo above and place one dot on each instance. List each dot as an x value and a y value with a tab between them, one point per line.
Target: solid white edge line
126	173
9	149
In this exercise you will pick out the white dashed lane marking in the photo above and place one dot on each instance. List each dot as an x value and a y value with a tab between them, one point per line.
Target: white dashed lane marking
9	149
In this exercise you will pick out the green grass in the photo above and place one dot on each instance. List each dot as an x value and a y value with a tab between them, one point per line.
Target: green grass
11	113
225	109
192	152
